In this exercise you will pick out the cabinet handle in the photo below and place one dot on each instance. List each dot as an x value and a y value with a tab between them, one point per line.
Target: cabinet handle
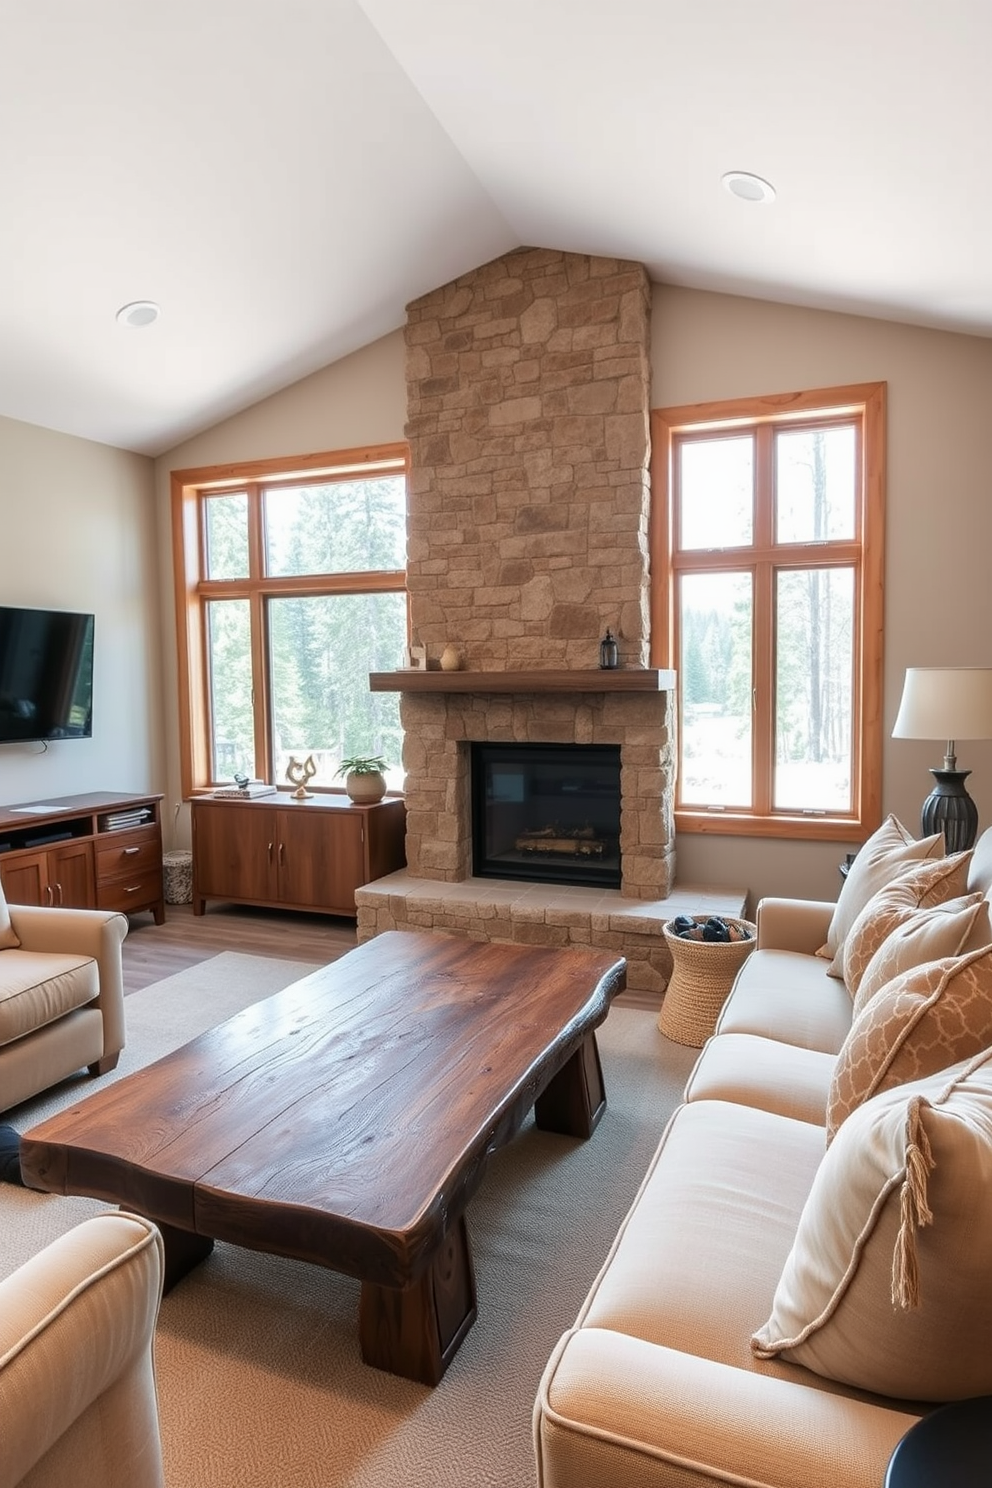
133	890
61	895
270	852
128	852
282	853
51	897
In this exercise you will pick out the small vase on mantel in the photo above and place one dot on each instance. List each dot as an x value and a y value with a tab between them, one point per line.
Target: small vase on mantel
451	658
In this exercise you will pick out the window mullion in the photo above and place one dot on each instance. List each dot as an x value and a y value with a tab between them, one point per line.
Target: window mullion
763	732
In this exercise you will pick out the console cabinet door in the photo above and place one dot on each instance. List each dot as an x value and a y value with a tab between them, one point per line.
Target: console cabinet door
320	859
60	877
70	876
25	878
235	853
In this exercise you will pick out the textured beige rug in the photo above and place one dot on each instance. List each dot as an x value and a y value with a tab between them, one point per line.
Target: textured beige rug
260	1380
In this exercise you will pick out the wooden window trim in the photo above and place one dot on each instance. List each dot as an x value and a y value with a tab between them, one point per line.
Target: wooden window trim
866	401
193	589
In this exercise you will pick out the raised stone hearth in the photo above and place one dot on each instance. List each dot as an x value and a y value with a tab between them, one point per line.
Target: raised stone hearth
543	914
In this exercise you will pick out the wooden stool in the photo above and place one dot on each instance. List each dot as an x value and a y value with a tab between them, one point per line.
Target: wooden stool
703	973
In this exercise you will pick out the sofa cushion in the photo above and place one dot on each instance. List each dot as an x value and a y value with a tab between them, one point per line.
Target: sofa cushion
929	1018
763	1072
699	1254
950	929
789	996
37	987
887	1286
932	882
8	938
885	855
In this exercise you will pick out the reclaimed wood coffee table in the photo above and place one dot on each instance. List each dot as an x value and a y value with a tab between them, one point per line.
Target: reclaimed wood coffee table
348	1120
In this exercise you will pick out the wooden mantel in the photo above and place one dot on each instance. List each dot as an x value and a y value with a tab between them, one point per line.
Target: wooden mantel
633	679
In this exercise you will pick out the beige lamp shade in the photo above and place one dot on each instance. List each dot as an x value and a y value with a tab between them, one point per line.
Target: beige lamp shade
945	703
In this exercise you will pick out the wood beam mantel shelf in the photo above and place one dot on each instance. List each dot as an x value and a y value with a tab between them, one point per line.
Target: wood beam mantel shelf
633	679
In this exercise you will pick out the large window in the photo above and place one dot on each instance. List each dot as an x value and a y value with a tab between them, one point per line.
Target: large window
291	588
767	551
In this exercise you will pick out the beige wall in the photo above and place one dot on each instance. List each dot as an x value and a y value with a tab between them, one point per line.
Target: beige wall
938	597
79	534
359	400
938	604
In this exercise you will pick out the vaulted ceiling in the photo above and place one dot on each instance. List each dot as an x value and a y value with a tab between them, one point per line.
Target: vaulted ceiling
282	176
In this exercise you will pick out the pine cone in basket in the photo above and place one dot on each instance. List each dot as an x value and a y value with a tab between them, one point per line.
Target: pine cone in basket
714	929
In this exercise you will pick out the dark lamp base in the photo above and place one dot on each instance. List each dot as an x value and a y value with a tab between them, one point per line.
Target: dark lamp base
949	809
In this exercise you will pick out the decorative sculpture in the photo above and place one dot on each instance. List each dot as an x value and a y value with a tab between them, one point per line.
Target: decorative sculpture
301	775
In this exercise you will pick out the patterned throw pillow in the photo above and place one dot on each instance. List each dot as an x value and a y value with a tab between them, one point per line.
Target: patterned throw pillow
927	1019
888	1285
8	940
948	929
934	881
884	856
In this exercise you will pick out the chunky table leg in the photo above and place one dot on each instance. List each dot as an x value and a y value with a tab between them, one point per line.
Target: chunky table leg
416	1331
575	1099
183	1251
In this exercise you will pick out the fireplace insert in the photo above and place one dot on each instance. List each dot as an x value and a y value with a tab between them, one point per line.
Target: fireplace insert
548	813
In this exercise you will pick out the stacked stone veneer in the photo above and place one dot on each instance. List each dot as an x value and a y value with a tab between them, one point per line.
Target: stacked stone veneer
528	397
437	729
528	387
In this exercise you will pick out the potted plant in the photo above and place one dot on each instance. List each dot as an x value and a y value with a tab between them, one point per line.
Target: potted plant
363	778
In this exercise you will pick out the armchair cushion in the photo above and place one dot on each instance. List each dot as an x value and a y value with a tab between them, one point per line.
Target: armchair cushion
37	987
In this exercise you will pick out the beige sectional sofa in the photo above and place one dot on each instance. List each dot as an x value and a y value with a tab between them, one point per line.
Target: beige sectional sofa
803	1272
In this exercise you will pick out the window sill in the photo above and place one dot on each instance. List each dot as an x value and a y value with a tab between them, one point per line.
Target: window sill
792	828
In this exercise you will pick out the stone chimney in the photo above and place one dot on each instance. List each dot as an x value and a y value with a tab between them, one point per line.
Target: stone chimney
528	385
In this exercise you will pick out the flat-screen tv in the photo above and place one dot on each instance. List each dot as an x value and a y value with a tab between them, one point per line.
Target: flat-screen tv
46	675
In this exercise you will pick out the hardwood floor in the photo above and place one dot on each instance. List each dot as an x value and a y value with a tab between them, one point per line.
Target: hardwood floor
152	951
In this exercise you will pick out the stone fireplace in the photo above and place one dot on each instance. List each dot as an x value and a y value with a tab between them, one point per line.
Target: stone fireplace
528	390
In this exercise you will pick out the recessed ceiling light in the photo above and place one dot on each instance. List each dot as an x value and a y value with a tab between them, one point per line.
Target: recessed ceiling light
138	313
748	187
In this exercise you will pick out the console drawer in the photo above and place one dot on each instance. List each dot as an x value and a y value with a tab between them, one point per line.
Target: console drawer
127	855
127	894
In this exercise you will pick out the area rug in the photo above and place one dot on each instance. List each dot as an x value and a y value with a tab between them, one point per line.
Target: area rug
259	1374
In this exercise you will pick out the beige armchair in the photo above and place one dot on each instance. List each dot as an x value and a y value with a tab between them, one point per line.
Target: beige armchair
77	1383
61	996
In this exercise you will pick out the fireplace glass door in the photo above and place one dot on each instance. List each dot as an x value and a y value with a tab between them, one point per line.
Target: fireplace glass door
549	813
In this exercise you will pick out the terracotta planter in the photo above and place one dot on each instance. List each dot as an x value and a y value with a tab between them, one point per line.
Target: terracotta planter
365	790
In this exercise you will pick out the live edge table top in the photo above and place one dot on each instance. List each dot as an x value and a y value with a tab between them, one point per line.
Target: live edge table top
348	1119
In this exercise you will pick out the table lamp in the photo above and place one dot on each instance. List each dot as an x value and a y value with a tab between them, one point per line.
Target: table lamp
947	703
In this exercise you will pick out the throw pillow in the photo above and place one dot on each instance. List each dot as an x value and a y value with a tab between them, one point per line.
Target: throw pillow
948	929
934	881
888	1286
884	856
8	940
927	1019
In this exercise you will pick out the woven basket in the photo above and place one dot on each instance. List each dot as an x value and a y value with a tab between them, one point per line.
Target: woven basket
703	973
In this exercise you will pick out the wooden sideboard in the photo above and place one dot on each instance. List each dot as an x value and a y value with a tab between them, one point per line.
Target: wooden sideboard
92	851
281	853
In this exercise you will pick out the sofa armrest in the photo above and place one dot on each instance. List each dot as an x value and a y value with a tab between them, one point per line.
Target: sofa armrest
82	932
613	1408
77	1384
793	924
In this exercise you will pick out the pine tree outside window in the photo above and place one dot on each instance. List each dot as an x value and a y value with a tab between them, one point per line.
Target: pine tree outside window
767	545
291	589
